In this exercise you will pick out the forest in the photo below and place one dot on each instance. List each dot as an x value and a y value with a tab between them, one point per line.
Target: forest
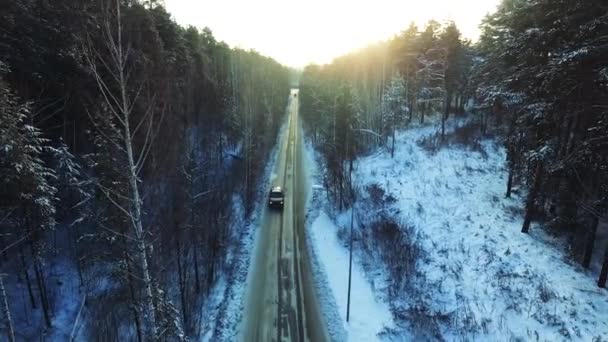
537	81
126	141
133	152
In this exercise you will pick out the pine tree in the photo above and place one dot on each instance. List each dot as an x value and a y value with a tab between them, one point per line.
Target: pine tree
406	60
69	181
394	108
28	181
430	74
548	54
454	60
431	81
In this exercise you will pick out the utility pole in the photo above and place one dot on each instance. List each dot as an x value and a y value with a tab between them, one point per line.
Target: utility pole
352	212
350	259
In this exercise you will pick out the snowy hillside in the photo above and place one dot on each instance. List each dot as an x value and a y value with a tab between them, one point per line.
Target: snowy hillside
477	277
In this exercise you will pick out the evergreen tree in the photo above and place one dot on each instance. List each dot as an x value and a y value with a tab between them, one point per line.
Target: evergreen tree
27	181
394	108
548	55
455	59
406	60
69	181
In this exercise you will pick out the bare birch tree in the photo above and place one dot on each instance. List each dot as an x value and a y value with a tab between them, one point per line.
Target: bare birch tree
112	75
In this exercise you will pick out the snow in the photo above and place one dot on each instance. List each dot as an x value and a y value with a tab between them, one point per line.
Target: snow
221	311
571	55
604	74
368	317
479	277
211	309
65	297
492	281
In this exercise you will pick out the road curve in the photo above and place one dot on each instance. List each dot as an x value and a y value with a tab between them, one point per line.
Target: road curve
281	303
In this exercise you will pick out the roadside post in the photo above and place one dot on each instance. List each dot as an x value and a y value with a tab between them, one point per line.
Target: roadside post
350	261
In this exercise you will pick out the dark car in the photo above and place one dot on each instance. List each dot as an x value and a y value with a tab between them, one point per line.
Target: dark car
276	198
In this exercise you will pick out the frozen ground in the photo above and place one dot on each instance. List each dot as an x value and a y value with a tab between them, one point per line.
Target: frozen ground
479	278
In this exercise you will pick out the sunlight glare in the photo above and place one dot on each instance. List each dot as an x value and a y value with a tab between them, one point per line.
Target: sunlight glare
298	33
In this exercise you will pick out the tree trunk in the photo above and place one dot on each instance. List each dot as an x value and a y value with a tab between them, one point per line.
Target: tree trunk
5	311
422	110
340	186
530	203
413	101
393	144
510	182
141	250
132	298
512	157
195	237
410	114
213	261
73	240
42	289
195	254
604	273
4	244
567	202
28	281
590	242
443	126
446	113
181	278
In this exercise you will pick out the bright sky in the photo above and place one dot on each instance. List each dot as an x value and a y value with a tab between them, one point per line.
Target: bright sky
316	31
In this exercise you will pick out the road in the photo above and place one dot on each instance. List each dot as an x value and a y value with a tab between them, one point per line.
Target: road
281	303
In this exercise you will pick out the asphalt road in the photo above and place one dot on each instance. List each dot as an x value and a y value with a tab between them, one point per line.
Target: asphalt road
281	302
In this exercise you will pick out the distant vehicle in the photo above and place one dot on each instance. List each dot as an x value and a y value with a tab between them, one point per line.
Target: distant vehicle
295	95
276	198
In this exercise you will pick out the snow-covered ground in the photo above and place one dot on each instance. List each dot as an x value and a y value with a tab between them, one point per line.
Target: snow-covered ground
479	277
330	258
65	300
368	317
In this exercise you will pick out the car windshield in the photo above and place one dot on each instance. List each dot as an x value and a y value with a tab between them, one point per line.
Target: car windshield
276	194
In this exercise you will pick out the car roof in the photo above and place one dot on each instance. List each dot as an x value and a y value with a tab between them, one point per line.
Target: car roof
276	189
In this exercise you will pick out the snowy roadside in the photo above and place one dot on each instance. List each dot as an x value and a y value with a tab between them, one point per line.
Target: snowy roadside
223	310
368	316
